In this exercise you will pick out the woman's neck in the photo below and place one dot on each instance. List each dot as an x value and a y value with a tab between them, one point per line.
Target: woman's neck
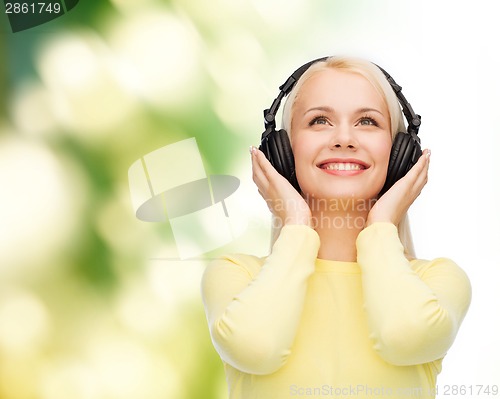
338	224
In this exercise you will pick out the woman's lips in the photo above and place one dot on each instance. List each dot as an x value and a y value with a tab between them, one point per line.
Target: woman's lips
343	167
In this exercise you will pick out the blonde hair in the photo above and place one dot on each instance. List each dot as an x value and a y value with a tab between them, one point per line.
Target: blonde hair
376	77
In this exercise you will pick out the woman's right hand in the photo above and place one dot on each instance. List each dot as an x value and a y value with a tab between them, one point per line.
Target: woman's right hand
281	197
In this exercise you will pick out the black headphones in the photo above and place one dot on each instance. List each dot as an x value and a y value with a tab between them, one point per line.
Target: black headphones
276	146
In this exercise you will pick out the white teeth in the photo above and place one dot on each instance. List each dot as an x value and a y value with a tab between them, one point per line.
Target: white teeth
342	166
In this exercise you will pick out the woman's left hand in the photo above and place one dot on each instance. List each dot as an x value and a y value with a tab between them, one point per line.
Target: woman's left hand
392	206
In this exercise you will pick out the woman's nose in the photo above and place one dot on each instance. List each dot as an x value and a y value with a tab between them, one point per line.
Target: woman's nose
342	136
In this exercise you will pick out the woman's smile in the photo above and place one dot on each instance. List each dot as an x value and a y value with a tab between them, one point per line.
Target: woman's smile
343	167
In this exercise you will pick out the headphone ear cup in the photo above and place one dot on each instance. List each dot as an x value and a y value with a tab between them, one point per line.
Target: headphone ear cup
405	152
278	150
394	160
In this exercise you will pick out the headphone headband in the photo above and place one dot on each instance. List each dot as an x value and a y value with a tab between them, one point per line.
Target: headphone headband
413	119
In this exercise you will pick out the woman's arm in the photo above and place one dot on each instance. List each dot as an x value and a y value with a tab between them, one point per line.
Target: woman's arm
414	313
253	311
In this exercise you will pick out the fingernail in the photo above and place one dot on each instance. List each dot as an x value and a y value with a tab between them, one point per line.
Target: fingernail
428	153
252	149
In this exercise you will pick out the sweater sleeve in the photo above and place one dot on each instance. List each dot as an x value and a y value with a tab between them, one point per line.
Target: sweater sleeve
253	309
414	309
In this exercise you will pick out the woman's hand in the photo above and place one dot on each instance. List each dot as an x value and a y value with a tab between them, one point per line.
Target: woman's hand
281	197
397	200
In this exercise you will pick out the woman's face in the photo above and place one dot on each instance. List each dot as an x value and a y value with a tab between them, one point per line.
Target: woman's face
340	136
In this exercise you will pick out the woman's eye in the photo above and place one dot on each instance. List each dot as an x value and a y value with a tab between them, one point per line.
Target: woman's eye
368	121
319	120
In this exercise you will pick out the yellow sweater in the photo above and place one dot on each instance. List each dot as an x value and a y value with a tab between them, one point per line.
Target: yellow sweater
291	325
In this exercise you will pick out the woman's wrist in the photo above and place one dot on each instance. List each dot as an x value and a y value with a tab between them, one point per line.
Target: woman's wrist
371	221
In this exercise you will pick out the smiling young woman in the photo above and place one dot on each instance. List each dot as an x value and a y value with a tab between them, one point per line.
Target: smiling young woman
341	302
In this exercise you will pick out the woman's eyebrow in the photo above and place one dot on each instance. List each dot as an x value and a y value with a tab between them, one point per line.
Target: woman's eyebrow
331	110
367	109
320	108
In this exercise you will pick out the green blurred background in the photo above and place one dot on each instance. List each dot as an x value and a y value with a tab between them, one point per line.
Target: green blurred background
94	303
